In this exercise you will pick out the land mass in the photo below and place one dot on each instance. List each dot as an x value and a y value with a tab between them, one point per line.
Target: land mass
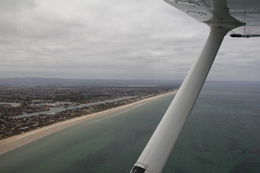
34	101
34	104
22	139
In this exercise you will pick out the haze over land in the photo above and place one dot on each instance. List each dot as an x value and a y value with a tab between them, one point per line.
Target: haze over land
116	39
86	82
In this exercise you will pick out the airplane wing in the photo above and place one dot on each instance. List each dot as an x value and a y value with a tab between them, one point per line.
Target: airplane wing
238	17
245	11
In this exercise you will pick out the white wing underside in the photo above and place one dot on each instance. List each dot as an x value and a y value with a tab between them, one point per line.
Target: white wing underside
245	11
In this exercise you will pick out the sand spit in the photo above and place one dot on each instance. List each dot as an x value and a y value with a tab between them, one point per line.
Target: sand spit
22	139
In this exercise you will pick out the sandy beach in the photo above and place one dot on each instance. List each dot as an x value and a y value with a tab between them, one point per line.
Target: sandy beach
22	139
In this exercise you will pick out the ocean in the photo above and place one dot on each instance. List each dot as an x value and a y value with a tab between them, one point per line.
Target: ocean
221	135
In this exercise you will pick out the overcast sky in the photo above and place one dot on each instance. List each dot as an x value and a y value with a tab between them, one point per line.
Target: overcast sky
115	39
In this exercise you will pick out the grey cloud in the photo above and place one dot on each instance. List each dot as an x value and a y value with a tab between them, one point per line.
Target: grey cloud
110	39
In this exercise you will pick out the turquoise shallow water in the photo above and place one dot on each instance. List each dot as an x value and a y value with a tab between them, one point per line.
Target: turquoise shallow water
221	135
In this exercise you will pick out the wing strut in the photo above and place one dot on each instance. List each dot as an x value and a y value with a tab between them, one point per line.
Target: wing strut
158	149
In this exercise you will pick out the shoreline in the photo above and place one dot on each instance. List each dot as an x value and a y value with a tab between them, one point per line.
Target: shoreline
22	139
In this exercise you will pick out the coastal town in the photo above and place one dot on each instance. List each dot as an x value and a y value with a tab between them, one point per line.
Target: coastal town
27	107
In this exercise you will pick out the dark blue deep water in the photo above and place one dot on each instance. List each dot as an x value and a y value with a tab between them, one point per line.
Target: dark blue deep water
222	135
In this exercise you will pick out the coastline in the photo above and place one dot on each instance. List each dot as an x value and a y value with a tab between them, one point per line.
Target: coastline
22	139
